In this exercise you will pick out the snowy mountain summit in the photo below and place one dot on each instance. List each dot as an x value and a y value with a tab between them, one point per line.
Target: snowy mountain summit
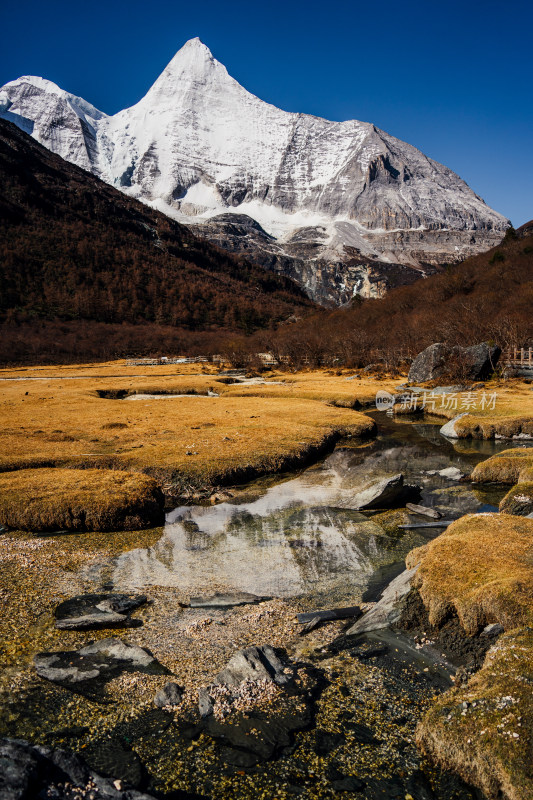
342	207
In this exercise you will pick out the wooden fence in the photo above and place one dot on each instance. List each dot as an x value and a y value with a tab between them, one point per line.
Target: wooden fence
518	356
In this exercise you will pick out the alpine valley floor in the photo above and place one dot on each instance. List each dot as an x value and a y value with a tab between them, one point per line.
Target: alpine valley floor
383	719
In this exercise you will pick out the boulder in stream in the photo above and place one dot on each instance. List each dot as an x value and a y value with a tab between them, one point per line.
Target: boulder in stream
386	493
256	703
449	429
388	608
255	664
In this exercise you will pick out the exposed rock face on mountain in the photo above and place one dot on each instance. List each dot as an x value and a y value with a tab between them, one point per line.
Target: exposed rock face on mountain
333	195
300	257
76	248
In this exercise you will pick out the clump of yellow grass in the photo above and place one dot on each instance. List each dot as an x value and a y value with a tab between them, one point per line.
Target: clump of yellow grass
79	500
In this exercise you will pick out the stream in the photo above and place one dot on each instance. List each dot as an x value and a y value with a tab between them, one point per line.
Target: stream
299	537
293	539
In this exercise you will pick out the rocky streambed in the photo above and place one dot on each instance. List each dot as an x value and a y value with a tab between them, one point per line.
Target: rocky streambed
173	664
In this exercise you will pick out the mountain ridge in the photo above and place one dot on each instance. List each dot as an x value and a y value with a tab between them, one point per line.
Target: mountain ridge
199	145
74	248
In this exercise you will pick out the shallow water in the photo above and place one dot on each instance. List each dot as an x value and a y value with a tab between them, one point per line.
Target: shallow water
300	537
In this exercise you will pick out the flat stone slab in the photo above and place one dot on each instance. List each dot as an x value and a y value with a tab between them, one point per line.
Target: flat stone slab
220	600
330	615
93	611
439	523
388	608
424	511
88	669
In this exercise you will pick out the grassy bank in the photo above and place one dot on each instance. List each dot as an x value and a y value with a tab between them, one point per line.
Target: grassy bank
189	444
481	569
78	500
499	409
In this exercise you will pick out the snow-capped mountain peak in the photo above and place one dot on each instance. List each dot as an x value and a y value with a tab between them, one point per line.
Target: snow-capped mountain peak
198	145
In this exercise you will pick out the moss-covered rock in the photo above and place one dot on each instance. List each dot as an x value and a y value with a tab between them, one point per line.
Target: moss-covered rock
518	501
79	500
487	427
481	569
509	466
484	730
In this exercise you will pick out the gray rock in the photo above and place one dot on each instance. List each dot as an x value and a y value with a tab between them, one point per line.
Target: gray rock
329	615
87	669
19	770
93	621
93	611
429	364
453	473
448	429
469	363
28	772
205	702
423	511
220	600
495	629
314	623
385	494
315	619
254	721
479	360
169	695
388	609
255	664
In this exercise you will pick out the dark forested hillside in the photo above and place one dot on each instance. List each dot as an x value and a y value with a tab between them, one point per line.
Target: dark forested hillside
76	251
487	297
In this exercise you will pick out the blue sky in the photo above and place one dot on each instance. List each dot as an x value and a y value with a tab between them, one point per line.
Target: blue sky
452	78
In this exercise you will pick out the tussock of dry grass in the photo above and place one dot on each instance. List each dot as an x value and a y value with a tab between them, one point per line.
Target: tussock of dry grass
512	414
509	466
526	473
490	741
79	500
186	443
482	569
479	427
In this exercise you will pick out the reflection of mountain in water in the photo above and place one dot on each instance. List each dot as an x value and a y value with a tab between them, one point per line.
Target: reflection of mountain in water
284	552
301	536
